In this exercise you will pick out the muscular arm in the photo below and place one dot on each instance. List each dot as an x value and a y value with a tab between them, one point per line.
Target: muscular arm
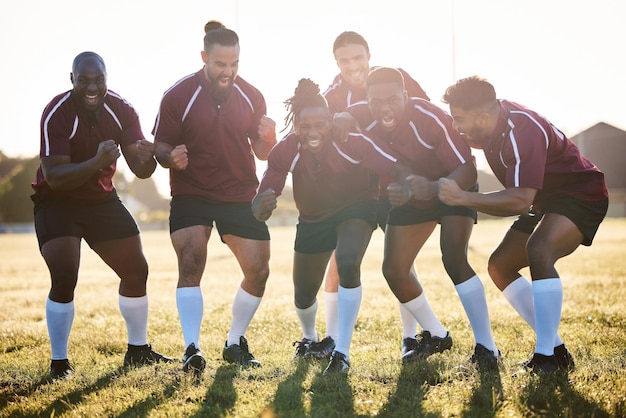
61	174
507	202
267	134
140	158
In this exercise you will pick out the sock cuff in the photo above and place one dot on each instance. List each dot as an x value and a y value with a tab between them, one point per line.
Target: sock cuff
350	293
188	291
53	306
246	297
548	285
331	296
416	303
312	308
470	285
515	287
133	301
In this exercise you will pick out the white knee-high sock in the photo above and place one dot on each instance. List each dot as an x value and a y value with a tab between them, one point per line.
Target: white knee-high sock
548	297
190	304
423	313
409	323
135	313
472	295
348	310
244	308
307	318
332	321
59	318
519	294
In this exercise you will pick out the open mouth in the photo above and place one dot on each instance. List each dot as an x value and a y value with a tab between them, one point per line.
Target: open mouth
388	122
314	143
91	99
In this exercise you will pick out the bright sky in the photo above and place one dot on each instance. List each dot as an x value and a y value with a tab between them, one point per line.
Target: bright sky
562	58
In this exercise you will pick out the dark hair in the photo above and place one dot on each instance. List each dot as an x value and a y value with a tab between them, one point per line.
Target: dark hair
307	94
348	38
470	93
385	75
216	33
86	55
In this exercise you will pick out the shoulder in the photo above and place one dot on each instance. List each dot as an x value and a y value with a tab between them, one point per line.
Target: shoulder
335	87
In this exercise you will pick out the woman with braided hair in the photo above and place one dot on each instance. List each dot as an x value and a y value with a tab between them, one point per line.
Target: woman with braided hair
335	187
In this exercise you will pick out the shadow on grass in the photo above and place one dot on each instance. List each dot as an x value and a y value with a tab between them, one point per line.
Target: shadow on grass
221	395
411	389
68	401
289	401
552	394
331	396
487	398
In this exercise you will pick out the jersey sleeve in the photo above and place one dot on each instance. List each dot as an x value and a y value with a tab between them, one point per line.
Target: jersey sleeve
131	127
56	128
168	126
525	157
412	87
373	156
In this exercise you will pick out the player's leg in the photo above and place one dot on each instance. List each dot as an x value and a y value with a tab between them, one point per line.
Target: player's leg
331	286
402	244
62	255
455	234
308	273
555	237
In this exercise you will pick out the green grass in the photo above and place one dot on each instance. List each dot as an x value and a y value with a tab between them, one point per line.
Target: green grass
593	326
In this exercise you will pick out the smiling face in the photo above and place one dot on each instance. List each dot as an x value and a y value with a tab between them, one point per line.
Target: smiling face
220	67
90	82
353	62
387	102
312	126
474	126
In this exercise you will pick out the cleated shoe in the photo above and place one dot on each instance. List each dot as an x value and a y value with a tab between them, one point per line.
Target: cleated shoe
302	347
408	344
321	349
60	369
239	354
141	355
193	360
338	364
539	363
564	359
427	345
484	359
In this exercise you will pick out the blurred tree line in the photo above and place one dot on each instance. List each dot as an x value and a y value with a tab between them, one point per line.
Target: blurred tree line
140	196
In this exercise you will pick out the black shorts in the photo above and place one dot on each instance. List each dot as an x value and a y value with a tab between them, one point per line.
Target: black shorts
408	215
230	218
319	237
95	221
382	211
586	215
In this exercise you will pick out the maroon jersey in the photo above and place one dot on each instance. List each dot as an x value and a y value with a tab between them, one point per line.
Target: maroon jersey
68	129
526	150
329	181
424	140
340	94
218	138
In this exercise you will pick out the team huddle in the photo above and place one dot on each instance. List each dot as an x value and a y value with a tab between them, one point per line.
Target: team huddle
370	151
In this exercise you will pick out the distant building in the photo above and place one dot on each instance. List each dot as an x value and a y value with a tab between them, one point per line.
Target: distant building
605	146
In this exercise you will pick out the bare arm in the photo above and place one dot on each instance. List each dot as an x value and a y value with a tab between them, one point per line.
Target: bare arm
140	158
61	174
507	202
267	133
170	157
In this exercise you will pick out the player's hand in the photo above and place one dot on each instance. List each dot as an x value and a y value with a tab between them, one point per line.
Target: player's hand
264	204
108	152
178	157
267	130
421	187
397	194
449	192
145	151
343	124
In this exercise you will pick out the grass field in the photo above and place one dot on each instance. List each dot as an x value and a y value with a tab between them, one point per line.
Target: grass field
593	327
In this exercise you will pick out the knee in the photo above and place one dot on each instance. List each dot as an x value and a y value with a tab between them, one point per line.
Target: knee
303	298
456	265
348	268
62	289
539	252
